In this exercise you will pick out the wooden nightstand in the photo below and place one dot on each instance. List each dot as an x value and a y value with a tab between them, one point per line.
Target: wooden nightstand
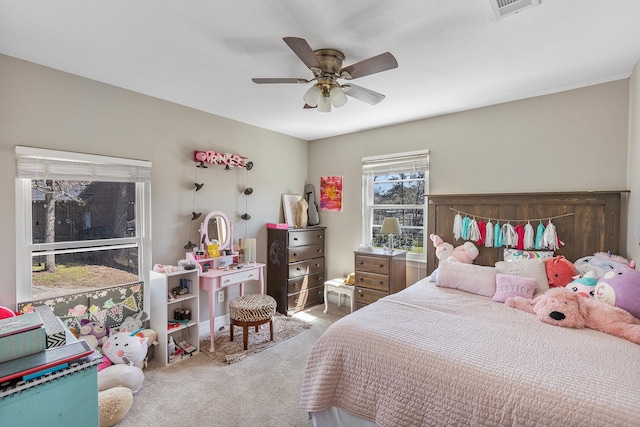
378	274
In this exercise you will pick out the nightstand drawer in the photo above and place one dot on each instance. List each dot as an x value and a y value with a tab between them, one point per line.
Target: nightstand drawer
372	264
368	296
301	268
372	281
302	238
300	253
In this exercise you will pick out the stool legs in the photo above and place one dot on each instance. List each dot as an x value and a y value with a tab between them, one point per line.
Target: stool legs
245	336
245	330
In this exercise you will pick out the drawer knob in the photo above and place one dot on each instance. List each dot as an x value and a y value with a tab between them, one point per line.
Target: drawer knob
360	279
381	265
298	268
295	300
319	236
381	283
295	285
295	238
295	254
359	292
361	262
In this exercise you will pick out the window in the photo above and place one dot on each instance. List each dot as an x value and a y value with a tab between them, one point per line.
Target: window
82	222
395	186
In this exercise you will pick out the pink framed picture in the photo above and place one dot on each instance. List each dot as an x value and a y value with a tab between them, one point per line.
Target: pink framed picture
331	193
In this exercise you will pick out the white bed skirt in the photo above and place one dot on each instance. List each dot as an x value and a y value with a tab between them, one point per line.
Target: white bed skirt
336	417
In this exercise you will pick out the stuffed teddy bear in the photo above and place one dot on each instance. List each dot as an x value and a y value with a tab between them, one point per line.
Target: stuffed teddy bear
620	288
601	263
122	347
584	285
445	251
563	307
560	271
93	332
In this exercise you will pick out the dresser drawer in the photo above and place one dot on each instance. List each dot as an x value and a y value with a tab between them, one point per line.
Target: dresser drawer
302	268
372	281
368	296
239	277
300	253
307	237
304	282
372	264
310	296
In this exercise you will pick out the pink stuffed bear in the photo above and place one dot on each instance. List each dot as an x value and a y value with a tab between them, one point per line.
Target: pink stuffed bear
563	307
465	253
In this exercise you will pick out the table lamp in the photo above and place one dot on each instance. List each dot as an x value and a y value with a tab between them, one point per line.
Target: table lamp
391	226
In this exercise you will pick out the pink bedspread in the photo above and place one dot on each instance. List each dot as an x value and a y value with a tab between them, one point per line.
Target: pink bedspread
430	356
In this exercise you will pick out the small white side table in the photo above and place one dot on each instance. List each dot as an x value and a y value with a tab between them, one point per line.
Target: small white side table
338	286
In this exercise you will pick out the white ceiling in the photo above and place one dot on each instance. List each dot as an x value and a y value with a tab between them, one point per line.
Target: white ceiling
453	55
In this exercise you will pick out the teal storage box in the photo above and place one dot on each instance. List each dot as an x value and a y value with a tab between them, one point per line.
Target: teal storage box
53	326
21	336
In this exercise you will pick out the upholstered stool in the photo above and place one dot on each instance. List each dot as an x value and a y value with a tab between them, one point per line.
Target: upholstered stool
251	310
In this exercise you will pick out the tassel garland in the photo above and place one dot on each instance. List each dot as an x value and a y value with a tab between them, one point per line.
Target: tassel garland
457	226
488	237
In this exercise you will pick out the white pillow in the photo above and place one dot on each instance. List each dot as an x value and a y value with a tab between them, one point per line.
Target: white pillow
533	268
475	279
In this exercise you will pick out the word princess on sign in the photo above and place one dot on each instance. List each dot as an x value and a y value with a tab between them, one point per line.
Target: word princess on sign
226	159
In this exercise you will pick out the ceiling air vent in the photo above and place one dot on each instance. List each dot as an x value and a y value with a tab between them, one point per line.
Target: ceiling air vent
502	8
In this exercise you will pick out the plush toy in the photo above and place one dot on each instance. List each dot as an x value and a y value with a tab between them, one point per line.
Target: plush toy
601	263
133	323
620	288
113	405
93	332
563	307
584	285
121	375
560	271
465	253
122	347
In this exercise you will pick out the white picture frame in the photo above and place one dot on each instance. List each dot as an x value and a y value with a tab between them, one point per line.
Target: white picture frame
289	207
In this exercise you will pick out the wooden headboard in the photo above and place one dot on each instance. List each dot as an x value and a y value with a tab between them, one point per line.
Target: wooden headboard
592	226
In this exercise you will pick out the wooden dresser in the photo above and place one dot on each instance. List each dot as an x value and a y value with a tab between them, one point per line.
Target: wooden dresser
296	267
379	274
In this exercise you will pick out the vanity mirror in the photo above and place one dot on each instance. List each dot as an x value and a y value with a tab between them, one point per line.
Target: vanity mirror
216	226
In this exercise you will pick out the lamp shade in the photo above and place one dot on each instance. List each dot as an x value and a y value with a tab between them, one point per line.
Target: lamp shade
312	96
324	105
391	226
338	98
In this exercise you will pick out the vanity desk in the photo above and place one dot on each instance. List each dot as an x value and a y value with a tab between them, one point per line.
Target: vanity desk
222	271
215	279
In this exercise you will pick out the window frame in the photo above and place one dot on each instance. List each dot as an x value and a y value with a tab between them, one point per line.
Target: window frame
393	163
31	163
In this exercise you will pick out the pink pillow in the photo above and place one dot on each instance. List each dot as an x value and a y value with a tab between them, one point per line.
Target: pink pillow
508	286
475	279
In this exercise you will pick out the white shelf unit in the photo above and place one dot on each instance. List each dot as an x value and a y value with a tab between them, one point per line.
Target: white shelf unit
162	311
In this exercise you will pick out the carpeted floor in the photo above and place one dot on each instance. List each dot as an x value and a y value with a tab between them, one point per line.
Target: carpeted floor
262	390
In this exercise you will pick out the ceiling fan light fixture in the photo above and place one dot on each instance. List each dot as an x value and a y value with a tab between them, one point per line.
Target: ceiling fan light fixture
338	98
312	96
324	105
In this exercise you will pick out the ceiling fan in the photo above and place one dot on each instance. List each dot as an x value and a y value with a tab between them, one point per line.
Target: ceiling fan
326	65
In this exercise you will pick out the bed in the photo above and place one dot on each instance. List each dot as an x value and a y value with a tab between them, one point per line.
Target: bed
434	356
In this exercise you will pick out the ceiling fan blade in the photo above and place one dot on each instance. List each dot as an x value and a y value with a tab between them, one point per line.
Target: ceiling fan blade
383	62
301	48
262	81
363	94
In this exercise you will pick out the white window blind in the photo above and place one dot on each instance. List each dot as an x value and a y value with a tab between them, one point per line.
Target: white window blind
402	163
34	163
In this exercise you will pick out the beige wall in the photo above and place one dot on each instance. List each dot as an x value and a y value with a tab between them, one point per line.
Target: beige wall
41	107
570	141
633	239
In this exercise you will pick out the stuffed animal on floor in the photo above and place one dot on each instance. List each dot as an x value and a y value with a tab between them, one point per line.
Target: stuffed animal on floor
584	285
113	405
620	288
601	263
121	375
560	271
122	347
93	332
563	307
445	251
